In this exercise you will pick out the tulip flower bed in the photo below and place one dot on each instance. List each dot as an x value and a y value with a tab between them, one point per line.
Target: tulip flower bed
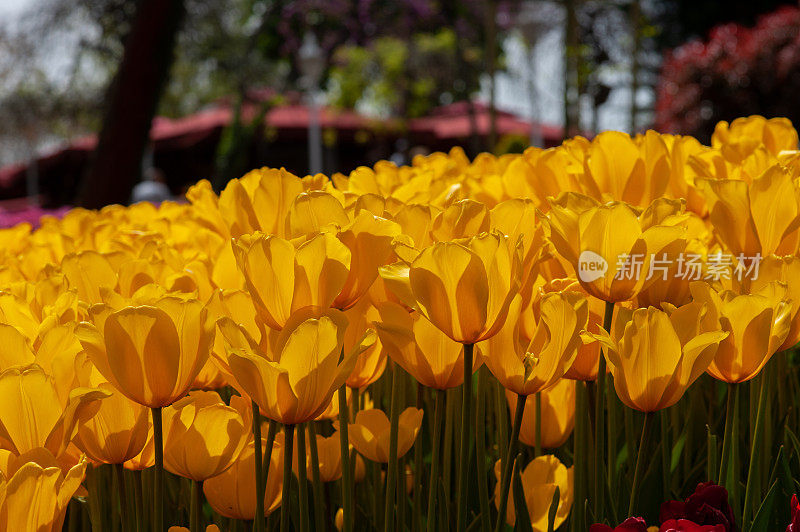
292	354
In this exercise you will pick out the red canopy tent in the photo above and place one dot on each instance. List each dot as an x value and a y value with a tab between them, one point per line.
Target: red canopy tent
184	148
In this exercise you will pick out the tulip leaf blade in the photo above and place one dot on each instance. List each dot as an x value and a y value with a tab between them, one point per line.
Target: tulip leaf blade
795	442
677	451
551	514
761	521
522	523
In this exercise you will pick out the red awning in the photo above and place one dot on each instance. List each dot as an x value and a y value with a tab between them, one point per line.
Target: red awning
453	122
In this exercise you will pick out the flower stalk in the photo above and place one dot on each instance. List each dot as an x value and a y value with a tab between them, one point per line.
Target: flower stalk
505	478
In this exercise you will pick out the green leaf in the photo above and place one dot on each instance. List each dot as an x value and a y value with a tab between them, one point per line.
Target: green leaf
523	519
761	522
713	459
795	442
677	451
551	516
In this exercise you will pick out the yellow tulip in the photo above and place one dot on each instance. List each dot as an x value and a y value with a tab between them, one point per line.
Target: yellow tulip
368	238
16	311
585	366
527	366
679	265
516	218
33	416
610	246
117	432
738	139
332	410
210	377
60	355
684	154
146	458
297	384
35	492
558	414
370	433
89	273
150	353
203	436
371	360
283	279
421	349
757	218
786	270
660	354
757	324
621	168
232	493
259	201
540	478
330	458
462	219
538	174
328	454
463	287
15	349
236	305
316	211
415	222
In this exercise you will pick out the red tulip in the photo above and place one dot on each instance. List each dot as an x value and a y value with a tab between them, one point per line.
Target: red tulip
631	524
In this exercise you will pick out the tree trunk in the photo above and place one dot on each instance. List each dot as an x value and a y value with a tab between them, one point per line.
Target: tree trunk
571	59
636	20
131	102
491	69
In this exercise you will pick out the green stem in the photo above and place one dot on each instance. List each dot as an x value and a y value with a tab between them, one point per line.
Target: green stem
347	480
266	454
354	402
158	480
112	500
612	425
258	521
286	500
196	523
437	436
537	427
502	413
319	500
637	474
466	418
505	478
480	448
119	473
449	445
418	495
391	474
580	458
726	438
666	458
599	421
751	471
93	487
401	493
138	501
734	460
302	476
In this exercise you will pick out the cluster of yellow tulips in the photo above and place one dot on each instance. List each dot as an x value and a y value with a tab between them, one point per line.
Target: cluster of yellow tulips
394	349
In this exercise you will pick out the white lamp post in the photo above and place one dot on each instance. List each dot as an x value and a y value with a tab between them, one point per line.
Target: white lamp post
312	64
534	20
